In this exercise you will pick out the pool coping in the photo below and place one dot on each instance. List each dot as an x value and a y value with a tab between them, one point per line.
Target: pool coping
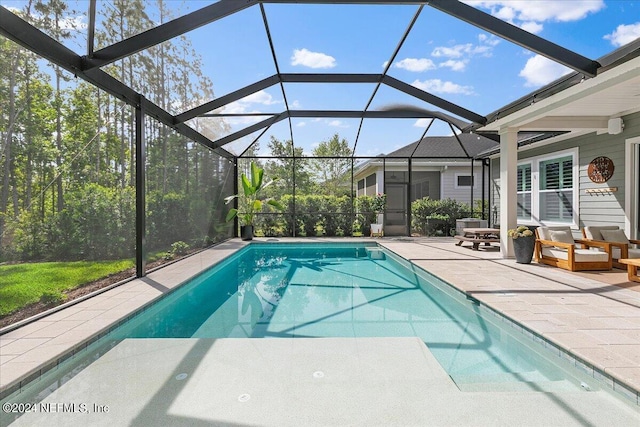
611	380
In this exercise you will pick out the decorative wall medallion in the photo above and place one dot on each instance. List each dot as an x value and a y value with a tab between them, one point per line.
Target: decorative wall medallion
600	169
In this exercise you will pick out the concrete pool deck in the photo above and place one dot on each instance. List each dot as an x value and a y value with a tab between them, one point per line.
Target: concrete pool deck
594	316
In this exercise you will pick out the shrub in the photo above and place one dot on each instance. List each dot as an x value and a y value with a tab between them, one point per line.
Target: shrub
179	248
437	217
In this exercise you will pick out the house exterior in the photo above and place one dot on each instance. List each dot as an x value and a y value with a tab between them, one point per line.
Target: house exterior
587	175
434	167
561	183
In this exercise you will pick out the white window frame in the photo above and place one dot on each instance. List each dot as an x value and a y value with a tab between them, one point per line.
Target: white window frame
531	165
455	180
535	187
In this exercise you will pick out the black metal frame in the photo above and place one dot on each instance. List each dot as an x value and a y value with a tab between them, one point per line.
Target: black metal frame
88	67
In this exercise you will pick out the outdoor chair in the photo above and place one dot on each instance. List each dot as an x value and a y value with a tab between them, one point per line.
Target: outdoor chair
376	230
556	246
620	244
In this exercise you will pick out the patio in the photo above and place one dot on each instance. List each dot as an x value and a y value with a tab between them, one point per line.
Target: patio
591	319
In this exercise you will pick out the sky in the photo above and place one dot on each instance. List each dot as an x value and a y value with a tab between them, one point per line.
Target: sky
441	55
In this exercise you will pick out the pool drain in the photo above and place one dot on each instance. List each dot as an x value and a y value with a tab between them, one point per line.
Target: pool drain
318	374
244	397
181	377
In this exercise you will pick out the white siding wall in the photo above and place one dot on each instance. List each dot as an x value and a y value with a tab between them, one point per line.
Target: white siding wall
462	194
594	209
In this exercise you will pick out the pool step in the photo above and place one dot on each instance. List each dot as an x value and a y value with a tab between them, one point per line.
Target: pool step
539	386
522	381
375	253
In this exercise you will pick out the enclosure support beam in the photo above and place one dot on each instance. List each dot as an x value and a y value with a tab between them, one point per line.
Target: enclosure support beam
26	35
433	100
165	32
141	227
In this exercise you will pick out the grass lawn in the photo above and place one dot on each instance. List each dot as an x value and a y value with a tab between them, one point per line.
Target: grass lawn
23	284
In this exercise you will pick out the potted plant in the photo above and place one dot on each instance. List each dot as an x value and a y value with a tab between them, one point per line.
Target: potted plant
377	205
523	243
251	204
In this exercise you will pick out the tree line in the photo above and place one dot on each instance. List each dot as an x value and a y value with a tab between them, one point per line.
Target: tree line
67	184
67	149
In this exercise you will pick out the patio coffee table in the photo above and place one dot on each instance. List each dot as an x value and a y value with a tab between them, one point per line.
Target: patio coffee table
632	268
479	235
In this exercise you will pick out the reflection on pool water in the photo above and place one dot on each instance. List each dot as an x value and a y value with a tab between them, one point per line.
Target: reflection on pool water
338	290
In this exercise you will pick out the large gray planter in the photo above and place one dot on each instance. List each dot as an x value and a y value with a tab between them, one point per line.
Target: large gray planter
246	232
523	249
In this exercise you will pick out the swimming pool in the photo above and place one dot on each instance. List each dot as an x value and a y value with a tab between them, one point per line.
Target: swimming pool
337	290
429	344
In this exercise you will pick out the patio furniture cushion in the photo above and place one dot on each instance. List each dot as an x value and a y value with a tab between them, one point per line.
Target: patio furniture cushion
563	236
594	232
616	253
544	233
614	236
581	255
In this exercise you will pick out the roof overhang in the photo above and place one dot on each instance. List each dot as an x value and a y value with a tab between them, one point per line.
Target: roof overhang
582	108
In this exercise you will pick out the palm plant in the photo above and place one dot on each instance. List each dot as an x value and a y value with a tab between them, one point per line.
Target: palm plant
251	204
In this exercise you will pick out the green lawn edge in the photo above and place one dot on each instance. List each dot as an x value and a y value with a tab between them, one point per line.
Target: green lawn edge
27	283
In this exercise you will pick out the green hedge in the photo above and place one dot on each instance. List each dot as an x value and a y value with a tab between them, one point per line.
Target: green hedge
431	217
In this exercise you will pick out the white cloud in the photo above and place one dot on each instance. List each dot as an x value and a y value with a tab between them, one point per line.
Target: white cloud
247	105
532	27
260	97
338	124
505	13
422	123
624	34
458	56
438	86
415	64
539	11
301	124
539	71
310	59
452	52
296	104
488	40
454	65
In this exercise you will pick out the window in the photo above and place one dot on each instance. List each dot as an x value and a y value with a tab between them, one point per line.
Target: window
361	187
371	185
524	192
420	190
465	181
556	190
546	186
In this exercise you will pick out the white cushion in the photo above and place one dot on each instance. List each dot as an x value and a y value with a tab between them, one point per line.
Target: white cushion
563	236
544	233
594	232
580	255
633	253
614	236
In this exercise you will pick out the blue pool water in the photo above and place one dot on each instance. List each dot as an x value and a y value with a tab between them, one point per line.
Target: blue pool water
288	291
